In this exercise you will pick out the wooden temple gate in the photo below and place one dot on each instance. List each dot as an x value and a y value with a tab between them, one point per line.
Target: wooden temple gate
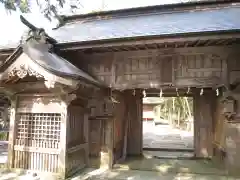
81	106
205	70
74	123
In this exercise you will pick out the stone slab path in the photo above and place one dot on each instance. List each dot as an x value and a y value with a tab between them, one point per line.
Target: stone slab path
148	175
164	136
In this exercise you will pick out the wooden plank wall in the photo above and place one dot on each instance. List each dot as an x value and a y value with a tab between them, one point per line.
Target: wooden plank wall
104	141
77	144
233	67
203	66
101	124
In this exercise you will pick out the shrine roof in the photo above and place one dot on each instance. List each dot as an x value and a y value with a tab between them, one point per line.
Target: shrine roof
180	20
51	62
149	21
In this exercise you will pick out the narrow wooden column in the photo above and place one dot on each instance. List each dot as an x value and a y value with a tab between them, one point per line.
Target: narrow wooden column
12	132
86	136
203	122
106	159
63	140
66	100
134	103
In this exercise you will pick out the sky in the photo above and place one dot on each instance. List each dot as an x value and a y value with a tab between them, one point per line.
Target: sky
12	29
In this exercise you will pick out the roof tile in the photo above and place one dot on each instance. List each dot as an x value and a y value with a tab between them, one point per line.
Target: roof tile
150	24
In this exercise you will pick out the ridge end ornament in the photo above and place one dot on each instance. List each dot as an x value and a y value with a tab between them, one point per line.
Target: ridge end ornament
35	33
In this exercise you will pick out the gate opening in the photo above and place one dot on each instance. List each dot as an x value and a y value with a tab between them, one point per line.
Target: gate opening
168	127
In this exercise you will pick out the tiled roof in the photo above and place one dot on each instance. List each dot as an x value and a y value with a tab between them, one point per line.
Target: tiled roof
150	24
145	22
54	63
40	54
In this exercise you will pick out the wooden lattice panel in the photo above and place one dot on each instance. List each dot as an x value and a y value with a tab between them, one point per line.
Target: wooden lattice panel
37	141
36	161
35	129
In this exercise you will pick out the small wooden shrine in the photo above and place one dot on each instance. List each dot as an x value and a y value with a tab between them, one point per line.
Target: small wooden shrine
49	115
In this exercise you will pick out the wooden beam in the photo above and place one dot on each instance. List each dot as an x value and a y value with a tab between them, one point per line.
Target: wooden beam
156	40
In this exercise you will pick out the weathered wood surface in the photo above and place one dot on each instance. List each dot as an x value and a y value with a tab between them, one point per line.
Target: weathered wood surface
107	127
101	124
77	146
233	147
219	126
203	123
232	135
37	136
119	119
182	67
134	106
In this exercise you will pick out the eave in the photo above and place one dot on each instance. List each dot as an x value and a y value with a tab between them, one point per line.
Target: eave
219	38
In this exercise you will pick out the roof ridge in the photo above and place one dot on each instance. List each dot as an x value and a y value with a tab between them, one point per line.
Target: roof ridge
178	7
147	14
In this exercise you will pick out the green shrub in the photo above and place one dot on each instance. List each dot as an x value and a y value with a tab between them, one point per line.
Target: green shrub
3	136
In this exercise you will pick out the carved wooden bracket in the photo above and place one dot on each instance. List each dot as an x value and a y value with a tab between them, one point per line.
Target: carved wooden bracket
23	70
68	98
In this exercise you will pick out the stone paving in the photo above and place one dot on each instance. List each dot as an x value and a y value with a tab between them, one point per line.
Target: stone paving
148	175
164	136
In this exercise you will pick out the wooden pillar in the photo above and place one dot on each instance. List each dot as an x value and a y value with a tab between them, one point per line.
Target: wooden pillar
203	122
134	116
233	147
86	137
12	132
63	139
232	143
63	157
106	159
